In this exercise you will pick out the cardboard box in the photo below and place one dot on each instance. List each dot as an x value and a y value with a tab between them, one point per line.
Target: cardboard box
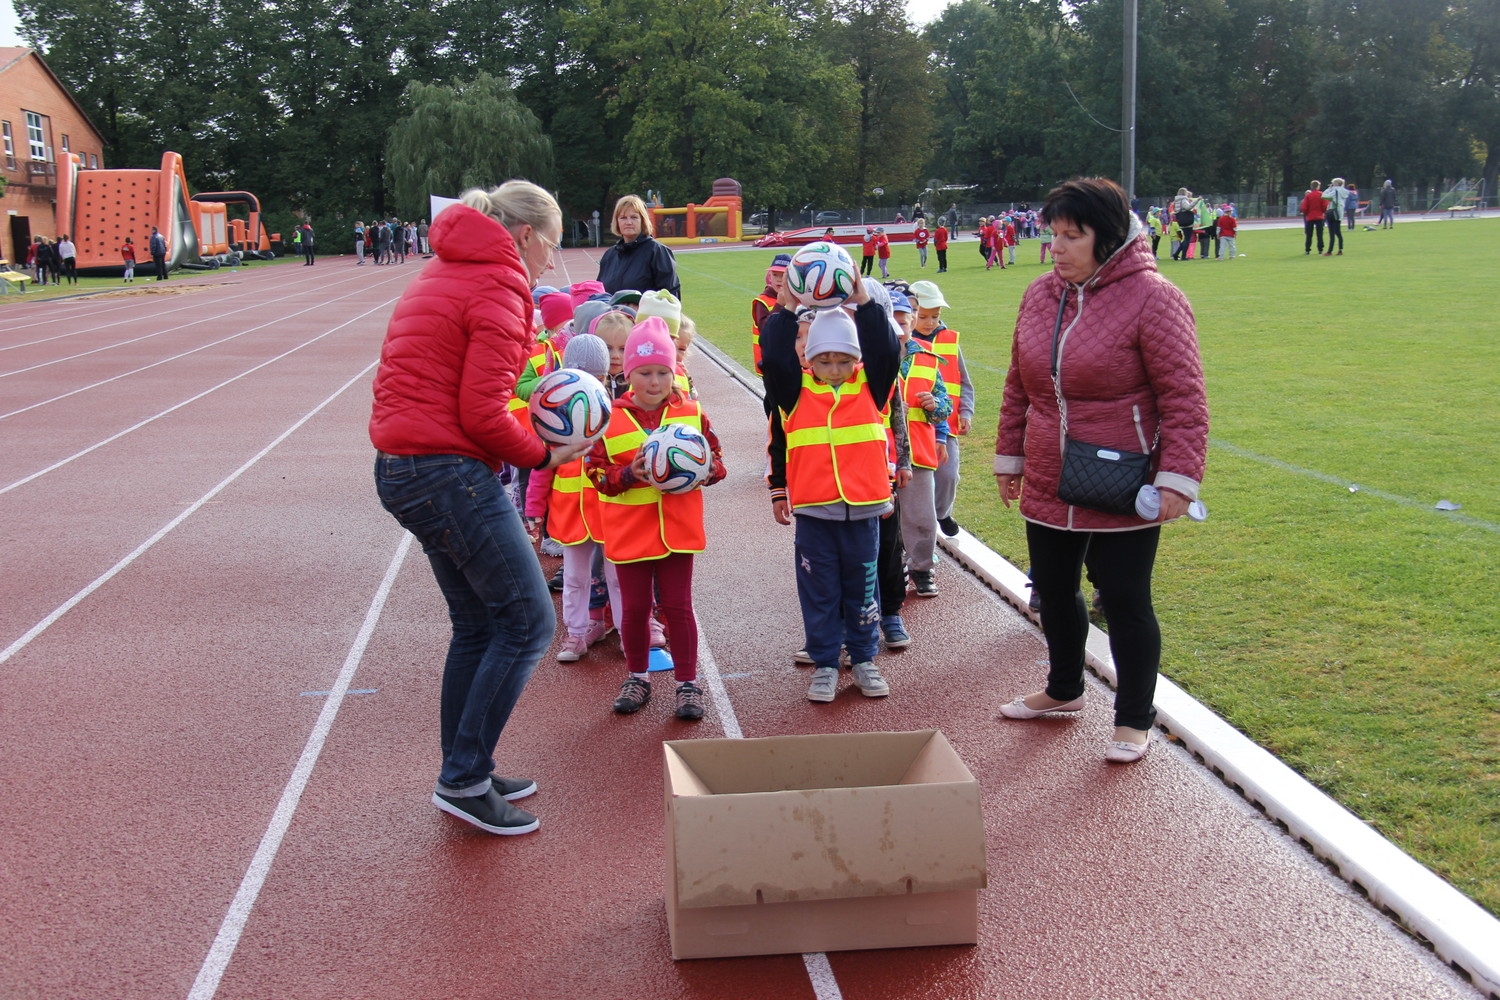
821	843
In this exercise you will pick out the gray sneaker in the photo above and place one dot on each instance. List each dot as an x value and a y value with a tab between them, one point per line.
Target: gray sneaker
871	684
825	684
923	583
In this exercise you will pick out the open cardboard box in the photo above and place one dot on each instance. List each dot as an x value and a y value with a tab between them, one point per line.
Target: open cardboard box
821	843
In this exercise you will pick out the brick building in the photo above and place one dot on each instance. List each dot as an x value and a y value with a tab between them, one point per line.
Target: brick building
39	123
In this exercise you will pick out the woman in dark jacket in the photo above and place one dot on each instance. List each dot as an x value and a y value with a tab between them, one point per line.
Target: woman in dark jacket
441	423
1128	378
637	261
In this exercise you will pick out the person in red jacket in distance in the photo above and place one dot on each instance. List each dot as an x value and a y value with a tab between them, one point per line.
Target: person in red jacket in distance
455	346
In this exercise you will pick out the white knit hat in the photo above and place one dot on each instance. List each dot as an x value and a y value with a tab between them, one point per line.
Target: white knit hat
832	331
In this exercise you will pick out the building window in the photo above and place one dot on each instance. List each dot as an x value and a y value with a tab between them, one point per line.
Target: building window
93	162
35	137
9	145
65	142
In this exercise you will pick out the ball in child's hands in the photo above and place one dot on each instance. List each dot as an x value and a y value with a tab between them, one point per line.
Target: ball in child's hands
569	407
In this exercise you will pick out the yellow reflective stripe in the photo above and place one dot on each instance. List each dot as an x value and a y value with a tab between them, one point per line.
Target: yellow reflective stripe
856	434
636	496
567	484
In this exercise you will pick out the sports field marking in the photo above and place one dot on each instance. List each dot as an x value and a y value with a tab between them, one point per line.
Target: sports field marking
52	317
1422	505
175	357
825	986
136	340
135	427
141	549
233	925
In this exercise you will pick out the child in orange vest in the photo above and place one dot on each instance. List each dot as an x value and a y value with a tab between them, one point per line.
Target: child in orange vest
829	468
651	536
574	520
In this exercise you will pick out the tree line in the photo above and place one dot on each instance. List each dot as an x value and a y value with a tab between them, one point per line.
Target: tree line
338	110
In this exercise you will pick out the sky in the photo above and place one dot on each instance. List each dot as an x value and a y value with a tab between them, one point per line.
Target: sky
920	11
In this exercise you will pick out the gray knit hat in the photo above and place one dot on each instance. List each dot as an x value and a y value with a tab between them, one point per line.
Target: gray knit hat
588	353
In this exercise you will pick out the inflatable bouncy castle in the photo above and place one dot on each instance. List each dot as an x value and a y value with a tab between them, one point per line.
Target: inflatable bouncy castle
100	208
715	221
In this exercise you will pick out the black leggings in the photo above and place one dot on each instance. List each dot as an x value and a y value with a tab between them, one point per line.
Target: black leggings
890	565
1335	235
1119	564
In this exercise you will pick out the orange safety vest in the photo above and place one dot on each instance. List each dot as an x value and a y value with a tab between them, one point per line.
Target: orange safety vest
680	379
769	301
835	445
643	522
945	345
573	515
921	377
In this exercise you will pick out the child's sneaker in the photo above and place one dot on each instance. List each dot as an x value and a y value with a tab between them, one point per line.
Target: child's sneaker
552	547
596	631
871	684
555	582
658	634
923	583
689	701
825	684
634	694
574	648
893	630
804	658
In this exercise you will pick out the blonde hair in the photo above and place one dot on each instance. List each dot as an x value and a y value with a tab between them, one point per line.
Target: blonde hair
632	201
612	319
515	203
686	331
1336	182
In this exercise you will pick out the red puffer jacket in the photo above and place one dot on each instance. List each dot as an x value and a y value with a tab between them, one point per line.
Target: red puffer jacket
454	348
1129	361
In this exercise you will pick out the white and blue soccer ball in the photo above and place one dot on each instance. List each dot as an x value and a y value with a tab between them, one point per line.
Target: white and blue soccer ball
678	458
569	407
822	275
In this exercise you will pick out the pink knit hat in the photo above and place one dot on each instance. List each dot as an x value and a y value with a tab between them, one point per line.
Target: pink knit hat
580	291
557	309
649	344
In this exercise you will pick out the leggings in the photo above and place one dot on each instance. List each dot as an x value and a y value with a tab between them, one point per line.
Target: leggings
1119	564
673	576
1335	235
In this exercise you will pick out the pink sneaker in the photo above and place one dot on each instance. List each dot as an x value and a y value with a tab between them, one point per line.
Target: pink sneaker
596	631
658	634
574	648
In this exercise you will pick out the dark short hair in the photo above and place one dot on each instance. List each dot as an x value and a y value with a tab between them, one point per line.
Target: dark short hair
1096	203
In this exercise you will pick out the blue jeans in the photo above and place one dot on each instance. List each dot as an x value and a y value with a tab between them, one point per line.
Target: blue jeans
836	588
501	610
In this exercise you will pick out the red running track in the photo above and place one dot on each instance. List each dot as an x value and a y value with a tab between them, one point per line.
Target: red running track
193	604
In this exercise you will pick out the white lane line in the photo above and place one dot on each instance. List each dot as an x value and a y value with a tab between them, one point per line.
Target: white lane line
716	692
141	549
150	310
825	987
176	357
233	925
115	437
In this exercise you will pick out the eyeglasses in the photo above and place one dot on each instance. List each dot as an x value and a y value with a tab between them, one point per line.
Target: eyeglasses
551	247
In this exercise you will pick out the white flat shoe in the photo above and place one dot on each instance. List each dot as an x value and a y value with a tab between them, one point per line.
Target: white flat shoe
1018	709
1125	752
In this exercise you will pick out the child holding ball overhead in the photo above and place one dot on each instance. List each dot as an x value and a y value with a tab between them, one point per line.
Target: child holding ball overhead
651	536
829	473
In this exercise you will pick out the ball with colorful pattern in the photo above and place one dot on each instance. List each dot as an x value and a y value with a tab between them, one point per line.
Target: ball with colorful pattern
569	407
678	458
822	275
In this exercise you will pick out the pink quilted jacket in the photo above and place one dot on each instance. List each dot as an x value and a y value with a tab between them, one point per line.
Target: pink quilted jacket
1129	363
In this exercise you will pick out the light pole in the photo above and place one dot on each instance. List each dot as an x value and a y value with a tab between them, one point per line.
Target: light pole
1127	116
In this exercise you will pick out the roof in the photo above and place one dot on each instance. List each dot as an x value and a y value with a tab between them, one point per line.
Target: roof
10	55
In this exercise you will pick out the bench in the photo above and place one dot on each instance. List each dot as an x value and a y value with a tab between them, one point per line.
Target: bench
11	281
1469	207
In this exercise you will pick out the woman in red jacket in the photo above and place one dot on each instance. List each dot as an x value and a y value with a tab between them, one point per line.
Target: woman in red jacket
1129	377
1314	212
456	343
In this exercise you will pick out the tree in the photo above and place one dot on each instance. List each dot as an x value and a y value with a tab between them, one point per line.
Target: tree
720	88
450	138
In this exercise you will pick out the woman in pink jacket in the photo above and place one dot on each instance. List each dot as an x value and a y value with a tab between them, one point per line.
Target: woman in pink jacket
456	344
1130	378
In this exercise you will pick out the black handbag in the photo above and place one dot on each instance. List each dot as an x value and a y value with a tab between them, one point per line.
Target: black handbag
1098	478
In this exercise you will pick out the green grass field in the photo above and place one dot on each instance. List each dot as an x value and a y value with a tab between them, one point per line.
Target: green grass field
1352	633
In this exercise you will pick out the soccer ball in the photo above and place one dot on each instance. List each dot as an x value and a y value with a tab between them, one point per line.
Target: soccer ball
822	275
678	459
569	407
